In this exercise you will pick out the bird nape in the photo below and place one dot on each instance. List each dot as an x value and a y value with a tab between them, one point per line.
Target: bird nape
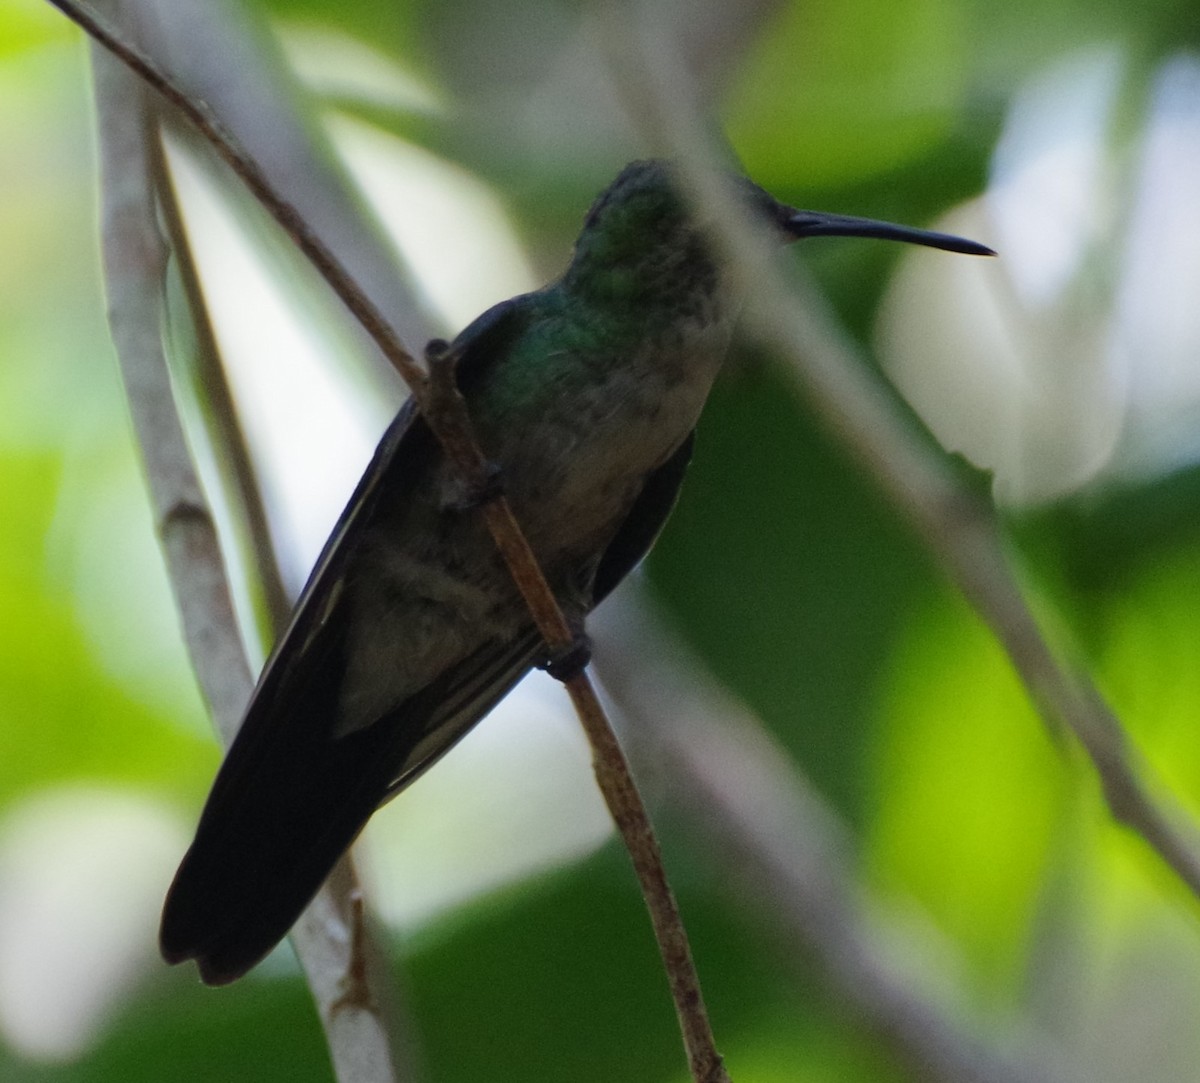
585	395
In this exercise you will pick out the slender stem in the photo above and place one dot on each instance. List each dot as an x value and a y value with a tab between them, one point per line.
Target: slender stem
135	267
444	413
629	813
962	532
229	437
226	54
611	767
447	418
255	179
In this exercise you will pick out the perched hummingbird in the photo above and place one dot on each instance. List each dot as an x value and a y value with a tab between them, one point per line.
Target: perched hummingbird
585	395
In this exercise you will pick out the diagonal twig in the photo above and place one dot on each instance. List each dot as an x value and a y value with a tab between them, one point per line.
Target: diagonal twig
342	959
233	454
963	533
608	761
135	265
221	53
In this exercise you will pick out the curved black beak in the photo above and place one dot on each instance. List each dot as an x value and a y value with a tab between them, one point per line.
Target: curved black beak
797	224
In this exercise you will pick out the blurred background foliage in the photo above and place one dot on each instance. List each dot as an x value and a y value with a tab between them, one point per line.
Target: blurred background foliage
1068	376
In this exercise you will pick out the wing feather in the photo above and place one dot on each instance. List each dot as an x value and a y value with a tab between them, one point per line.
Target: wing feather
291	795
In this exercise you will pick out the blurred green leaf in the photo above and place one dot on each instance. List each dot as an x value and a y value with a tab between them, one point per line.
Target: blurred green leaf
69	717
26	25
784	568
835	92
969	796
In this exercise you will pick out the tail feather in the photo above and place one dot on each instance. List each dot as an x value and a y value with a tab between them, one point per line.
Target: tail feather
265	846
292	796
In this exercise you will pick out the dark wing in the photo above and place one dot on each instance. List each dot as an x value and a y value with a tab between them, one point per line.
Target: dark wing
476	688
291	795
265	846
644	522
313	640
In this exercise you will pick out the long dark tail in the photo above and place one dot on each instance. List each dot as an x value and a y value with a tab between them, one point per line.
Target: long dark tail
292	796
284	808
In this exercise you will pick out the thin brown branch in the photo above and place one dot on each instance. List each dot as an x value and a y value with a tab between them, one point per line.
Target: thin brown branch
230	441
959	528
444	413
629	813
447	418
340	957
251	174
222	54
611	767
785	855
135	266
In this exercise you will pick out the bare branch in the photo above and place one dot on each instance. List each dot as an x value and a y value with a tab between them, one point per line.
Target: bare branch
252	175
233	453
222	54
629	812
346	969
962	532
135	264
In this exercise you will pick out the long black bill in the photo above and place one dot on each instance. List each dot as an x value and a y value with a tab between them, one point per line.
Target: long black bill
818	224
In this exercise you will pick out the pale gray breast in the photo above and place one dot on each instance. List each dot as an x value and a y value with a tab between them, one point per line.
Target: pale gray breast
575	483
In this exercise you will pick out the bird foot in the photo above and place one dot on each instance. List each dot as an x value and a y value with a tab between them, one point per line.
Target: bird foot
566	662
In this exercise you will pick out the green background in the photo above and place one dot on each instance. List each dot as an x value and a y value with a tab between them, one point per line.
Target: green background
783	569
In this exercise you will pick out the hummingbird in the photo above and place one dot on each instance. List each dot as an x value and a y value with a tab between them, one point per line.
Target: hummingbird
585	396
